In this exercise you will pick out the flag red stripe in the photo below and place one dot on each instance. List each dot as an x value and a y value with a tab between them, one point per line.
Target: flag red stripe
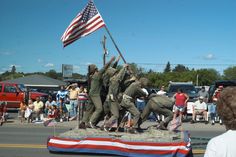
78	25
70	40
86	22
105	147
73	23
74	30
67	43
124	142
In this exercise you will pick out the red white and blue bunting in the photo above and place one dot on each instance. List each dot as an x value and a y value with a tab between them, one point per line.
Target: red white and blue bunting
98	145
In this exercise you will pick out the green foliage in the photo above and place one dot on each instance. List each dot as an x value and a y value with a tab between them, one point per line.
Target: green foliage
230	73
167	68
207	76
13	69
139	71
180	68
10	76
52	73
78	76
157	79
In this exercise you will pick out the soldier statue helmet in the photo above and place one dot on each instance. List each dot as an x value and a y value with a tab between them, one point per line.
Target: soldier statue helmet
92	68
144	81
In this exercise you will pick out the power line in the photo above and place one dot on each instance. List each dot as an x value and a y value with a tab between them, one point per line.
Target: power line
188	64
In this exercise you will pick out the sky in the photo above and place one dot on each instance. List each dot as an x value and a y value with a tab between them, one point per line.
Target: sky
195	33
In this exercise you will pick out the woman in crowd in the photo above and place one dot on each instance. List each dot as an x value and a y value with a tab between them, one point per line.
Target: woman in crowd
181	100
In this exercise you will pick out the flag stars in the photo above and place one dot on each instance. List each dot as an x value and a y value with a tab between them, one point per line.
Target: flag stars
83	25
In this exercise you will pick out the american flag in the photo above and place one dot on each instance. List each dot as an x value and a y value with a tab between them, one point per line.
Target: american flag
86	22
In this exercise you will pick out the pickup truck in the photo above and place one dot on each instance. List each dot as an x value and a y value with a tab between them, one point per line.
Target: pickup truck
12	94
216	84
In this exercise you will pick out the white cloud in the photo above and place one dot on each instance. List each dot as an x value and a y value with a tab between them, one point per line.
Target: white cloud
39	60
88	63
9	68
49	65
5	53
209	56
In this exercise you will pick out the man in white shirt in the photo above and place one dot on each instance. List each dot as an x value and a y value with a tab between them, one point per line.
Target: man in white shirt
199	107
162	91
224	144
140	102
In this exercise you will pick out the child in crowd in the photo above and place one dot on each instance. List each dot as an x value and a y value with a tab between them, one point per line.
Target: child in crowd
3	110
23	108
29	111
53	112
49	103
62	109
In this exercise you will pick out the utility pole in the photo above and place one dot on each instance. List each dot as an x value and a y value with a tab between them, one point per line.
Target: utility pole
104	49
197	80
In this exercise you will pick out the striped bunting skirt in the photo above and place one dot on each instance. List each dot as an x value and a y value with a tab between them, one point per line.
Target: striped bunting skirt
98	145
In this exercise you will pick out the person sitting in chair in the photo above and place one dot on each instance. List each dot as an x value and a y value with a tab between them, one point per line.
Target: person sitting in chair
199	108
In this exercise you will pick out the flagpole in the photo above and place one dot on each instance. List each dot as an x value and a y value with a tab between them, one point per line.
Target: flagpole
54	129
115	44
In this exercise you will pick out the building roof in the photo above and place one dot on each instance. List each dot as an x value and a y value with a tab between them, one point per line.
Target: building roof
37	81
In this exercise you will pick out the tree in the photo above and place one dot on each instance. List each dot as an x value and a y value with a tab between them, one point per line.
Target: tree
230	73
51	73
167	68
137	70
206	76
180	68
13	69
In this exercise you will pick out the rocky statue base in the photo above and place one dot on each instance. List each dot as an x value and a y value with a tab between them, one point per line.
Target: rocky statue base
150	143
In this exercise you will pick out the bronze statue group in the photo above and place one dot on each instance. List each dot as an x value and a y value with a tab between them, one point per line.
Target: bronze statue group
113	92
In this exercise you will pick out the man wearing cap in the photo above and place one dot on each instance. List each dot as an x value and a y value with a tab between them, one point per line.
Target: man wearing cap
73	96
216	94
199	107
204	94
212	106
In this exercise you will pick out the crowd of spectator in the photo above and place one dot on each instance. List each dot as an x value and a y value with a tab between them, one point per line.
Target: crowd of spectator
69	101
201	107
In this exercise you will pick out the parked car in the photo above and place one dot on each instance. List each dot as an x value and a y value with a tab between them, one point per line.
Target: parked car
216	84
152	90
187	88
12	94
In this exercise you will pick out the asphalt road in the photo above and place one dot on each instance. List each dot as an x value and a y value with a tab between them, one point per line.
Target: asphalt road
27	140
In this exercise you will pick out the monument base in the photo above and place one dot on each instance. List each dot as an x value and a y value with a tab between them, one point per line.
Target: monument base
148	144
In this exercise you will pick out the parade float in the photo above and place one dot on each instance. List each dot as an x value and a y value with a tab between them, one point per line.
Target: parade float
150	143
